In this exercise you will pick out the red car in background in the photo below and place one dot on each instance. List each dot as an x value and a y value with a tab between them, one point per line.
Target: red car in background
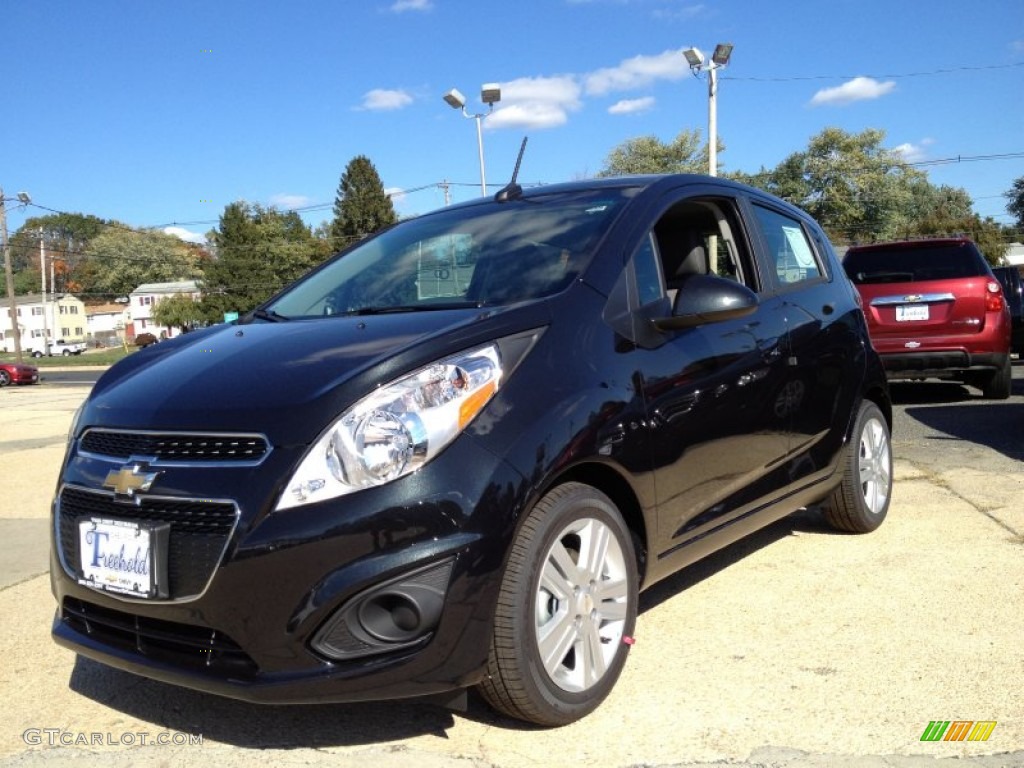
935	310
18	373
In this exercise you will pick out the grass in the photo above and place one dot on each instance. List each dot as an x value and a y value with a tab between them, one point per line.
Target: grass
89	357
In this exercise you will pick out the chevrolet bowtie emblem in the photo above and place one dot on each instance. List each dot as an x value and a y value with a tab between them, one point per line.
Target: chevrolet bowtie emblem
127	480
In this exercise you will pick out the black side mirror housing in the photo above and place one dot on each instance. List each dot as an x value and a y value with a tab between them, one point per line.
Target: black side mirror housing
702	299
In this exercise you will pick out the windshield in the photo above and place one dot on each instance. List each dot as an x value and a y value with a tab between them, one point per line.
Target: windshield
910	265
473	256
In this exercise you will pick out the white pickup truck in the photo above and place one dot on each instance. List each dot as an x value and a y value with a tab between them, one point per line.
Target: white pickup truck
59	347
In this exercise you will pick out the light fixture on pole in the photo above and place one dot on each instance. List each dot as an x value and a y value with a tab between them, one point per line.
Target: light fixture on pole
490	94
24	199
719	59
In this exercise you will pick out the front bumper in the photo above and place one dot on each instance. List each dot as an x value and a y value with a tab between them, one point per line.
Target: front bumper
254	629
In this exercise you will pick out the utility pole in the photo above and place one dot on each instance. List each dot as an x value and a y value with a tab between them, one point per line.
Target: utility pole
42	272
13	305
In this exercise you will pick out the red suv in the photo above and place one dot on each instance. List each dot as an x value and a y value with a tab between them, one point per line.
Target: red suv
935	310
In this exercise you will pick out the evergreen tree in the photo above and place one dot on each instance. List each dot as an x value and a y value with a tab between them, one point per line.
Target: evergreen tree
258	252
361	206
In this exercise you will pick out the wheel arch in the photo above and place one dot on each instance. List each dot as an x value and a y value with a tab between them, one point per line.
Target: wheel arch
879	395
613	485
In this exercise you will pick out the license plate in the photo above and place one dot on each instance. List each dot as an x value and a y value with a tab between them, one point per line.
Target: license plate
911	312
123	556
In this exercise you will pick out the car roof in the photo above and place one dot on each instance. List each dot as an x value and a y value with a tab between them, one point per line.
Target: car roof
891	245
641	181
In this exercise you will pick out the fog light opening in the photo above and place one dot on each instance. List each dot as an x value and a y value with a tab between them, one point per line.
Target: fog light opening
391	617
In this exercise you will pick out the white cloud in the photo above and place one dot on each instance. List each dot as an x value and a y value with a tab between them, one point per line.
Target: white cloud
914	153
536	102
382	99
183	234
858	89
288	202
637	72
401	6
631	106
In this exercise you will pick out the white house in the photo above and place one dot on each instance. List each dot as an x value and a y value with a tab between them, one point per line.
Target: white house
42	322
142	300
106	323
1015	255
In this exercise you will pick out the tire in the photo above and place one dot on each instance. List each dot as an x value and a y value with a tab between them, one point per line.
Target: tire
562	632
5	378
37	354
999	384
66	353
860	502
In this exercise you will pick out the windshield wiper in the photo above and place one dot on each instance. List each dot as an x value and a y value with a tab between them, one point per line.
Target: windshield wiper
269	315
409	308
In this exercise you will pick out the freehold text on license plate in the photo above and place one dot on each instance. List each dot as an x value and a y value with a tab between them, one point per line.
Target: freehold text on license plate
118	556
911	312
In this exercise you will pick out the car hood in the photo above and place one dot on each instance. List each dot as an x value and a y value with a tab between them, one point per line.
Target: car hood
286	380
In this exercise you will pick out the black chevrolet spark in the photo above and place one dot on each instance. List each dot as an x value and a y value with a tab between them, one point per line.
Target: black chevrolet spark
453	455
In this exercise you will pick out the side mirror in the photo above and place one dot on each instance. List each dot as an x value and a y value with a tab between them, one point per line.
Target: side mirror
702	299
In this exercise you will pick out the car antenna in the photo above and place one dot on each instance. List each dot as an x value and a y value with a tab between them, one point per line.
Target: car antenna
513	191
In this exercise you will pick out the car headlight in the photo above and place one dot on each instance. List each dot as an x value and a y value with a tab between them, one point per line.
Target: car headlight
397	429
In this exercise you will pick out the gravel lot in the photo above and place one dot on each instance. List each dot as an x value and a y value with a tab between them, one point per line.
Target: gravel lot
798	647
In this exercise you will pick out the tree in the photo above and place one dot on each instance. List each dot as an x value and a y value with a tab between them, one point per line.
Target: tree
178	311
27	281
861	192
120	259
1016	204
849	182
648	154
65	237
361	207
258	251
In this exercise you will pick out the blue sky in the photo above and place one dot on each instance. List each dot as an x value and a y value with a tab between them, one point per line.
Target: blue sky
161	112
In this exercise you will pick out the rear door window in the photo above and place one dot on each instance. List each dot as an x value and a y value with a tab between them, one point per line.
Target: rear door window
792	258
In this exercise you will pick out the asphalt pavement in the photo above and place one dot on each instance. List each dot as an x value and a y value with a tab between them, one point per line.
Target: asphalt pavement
797	647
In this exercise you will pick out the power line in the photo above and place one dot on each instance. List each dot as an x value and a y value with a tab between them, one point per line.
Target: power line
898	76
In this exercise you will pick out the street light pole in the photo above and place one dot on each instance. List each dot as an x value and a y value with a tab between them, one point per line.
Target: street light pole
720	58
490	94
712	121
480	151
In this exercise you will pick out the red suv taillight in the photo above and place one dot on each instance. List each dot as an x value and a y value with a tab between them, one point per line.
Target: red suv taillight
993	297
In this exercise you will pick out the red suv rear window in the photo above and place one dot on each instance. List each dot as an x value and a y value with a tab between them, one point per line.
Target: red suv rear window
903	264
